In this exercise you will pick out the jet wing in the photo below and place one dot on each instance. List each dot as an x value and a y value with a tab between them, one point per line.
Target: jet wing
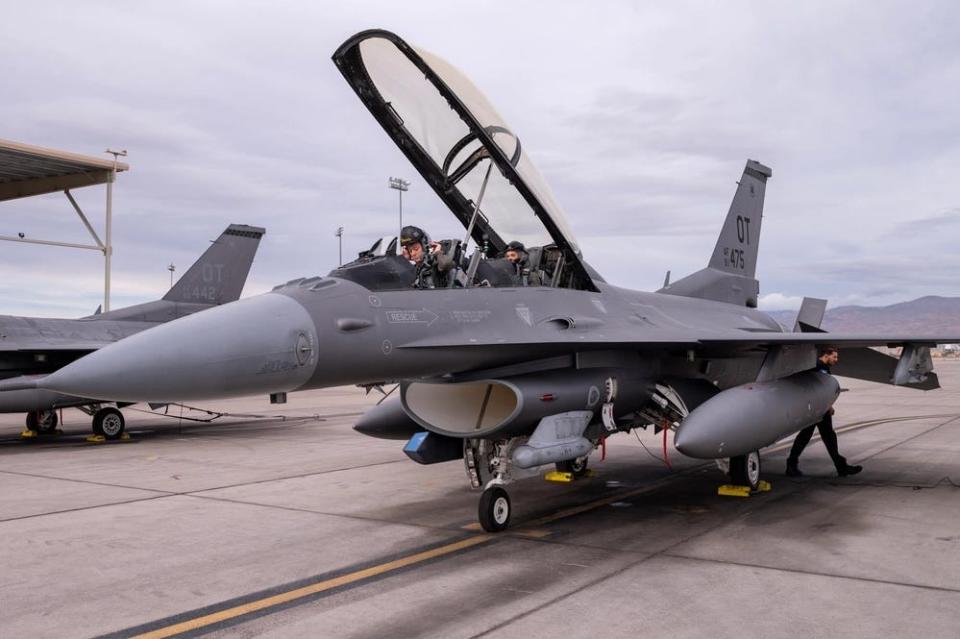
782	353
719	344
840	340
458	142
31	334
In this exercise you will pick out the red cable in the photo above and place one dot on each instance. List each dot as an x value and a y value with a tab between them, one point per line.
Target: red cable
603	448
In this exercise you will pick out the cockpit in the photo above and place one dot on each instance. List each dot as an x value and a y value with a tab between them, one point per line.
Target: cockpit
472	160
381	268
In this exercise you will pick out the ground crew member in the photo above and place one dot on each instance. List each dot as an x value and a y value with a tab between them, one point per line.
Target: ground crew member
827	357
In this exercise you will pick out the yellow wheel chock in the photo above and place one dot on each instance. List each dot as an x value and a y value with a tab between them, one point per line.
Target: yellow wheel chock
732	490
100	439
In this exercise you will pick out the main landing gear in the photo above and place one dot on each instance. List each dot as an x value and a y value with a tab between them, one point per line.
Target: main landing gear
42	422
576	467
745	470
107	422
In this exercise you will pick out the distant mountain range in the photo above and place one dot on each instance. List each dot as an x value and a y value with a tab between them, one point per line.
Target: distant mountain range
929	314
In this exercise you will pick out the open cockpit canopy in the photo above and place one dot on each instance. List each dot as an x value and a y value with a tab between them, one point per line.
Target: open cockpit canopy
461	146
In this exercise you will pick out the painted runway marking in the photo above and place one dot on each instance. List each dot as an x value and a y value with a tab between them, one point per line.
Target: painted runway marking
203	620
288	596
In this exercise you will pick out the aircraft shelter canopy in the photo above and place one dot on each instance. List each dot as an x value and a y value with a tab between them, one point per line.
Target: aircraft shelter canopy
27	170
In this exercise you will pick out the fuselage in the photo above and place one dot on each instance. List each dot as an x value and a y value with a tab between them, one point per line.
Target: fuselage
319	332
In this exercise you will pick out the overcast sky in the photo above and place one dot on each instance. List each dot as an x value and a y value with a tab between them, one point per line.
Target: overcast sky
640	115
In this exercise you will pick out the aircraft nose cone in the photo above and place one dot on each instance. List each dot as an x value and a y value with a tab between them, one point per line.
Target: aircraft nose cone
261	344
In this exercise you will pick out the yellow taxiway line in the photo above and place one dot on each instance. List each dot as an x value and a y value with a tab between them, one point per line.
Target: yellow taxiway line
298	593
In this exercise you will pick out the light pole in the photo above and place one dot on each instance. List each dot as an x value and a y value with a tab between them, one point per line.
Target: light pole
339	235
171	268
400	185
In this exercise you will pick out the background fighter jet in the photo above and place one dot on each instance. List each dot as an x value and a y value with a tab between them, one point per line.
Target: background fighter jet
509	377
32	347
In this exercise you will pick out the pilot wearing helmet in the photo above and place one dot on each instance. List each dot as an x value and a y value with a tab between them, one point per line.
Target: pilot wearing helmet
516	254
427	257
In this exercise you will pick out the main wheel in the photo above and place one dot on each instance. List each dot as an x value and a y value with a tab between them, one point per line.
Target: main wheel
494	511
577	467
108	422
745	470
42	421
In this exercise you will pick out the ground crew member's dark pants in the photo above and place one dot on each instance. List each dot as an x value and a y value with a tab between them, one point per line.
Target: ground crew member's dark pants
828	437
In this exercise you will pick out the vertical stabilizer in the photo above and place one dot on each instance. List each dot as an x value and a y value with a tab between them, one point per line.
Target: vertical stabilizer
736	249
220	273
730	275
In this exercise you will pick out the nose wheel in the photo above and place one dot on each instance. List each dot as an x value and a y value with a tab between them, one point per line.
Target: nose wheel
494	510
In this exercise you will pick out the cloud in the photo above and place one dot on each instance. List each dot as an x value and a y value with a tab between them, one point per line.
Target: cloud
640	116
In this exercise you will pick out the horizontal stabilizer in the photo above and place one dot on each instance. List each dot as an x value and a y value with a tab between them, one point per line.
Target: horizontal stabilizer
873	366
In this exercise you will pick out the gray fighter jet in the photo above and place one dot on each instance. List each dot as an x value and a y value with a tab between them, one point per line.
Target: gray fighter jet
509	377
33	347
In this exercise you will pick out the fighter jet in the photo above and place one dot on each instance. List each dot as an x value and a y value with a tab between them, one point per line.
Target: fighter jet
504	376
33	347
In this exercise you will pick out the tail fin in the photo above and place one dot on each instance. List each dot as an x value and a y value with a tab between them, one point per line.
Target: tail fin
220	273
731	274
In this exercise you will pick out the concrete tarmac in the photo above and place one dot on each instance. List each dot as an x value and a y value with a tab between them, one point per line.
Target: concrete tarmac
280	521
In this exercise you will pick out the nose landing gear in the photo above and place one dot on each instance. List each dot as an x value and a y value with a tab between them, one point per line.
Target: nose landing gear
494	509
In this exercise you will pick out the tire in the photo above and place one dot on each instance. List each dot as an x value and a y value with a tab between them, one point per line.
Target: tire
494	510
745	470
576	467
42	421
109	422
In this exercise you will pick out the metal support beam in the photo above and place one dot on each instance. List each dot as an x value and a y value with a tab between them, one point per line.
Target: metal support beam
83	218
51	243
108	233
108	246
